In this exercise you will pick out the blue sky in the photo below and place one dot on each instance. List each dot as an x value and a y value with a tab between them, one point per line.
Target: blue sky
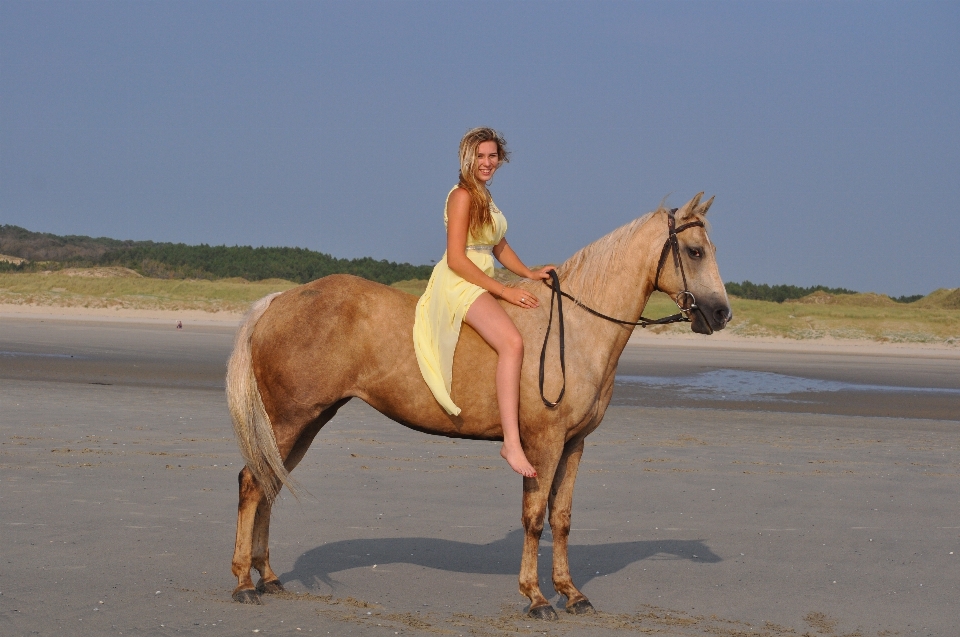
828	131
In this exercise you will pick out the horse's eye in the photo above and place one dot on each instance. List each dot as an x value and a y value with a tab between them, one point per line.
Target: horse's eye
696	253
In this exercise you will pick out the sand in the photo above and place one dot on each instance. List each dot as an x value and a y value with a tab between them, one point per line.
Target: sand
824	516
51	312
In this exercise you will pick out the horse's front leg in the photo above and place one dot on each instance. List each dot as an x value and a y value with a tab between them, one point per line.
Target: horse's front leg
561	504
536	492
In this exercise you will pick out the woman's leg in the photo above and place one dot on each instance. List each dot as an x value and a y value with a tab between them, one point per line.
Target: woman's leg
495	327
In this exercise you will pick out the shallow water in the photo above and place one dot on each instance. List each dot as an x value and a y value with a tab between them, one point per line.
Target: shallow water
735	384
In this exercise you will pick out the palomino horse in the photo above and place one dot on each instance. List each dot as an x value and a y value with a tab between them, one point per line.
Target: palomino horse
301	355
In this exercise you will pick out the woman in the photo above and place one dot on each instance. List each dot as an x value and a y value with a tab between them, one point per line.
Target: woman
461	288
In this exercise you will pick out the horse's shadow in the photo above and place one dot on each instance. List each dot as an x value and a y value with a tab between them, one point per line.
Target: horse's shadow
500	557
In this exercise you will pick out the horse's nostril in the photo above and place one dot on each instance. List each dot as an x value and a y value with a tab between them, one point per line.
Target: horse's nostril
723	315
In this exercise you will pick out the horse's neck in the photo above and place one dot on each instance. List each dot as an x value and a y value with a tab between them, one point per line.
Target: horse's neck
620	290
622	284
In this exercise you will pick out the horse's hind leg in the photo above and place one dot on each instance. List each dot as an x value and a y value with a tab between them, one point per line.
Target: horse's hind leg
252	549
561	503
251	497
269	582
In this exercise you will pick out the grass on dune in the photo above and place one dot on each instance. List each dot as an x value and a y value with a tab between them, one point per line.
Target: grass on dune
415	287
934	319
134	292
852	316
900	323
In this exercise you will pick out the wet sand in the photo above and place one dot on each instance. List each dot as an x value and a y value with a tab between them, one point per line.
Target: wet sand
816	512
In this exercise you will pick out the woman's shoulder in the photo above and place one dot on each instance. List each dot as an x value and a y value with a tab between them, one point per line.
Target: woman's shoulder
458	199
458	194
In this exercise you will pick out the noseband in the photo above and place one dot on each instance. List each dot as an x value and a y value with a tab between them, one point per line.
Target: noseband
684	300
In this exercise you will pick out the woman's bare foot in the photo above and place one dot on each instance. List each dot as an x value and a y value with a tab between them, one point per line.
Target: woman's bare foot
518	460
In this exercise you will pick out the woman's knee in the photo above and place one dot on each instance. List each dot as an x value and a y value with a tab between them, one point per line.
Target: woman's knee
507	342
513	344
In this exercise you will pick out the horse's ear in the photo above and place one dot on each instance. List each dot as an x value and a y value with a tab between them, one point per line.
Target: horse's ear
688	208
702	208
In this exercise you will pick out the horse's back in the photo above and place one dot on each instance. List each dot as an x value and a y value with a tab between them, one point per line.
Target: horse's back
339	337
342	336
346	299
317	342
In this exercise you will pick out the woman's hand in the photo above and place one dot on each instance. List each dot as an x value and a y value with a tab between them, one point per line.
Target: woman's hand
523	298
543	274
520	298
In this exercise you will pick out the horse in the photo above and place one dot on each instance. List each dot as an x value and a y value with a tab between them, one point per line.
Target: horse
300	355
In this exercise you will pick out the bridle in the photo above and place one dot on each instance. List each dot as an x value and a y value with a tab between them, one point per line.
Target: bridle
684	299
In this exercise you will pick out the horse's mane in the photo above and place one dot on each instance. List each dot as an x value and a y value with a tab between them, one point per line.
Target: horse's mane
583	273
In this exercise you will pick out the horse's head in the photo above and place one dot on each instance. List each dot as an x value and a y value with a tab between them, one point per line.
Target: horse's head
688	268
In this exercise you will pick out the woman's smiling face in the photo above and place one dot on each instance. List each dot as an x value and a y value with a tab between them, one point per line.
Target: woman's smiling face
488	159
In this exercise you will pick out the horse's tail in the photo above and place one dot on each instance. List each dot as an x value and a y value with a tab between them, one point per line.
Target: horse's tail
251	424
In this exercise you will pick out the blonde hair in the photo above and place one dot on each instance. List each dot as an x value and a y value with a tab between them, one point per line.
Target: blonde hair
479	195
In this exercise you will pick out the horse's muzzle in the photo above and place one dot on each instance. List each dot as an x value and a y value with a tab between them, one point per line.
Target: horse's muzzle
710	317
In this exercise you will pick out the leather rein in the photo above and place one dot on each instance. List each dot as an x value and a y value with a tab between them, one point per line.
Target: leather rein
684	300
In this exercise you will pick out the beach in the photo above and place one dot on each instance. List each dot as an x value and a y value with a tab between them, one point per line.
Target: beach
736	486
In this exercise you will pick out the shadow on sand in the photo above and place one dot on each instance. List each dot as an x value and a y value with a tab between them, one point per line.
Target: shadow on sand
501	557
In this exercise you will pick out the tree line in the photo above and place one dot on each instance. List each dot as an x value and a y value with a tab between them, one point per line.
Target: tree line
181	261
781	293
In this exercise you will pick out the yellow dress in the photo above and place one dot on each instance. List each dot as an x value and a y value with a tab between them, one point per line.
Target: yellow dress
440	312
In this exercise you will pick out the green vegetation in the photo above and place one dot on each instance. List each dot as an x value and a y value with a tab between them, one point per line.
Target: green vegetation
180	261
907	299
415	287
947	299
781	293
893	322
933	319
120	288
777	293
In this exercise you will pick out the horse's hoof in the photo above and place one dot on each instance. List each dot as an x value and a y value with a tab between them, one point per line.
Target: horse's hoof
543	612
269	588
580	608
247	596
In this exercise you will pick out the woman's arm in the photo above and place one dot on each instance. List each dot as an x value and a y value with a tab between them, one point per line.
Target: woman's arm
512	262
509	259
458	224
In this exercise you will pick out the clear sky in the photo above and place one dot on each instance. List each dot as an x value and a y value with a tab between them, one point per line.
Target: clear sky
828	131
